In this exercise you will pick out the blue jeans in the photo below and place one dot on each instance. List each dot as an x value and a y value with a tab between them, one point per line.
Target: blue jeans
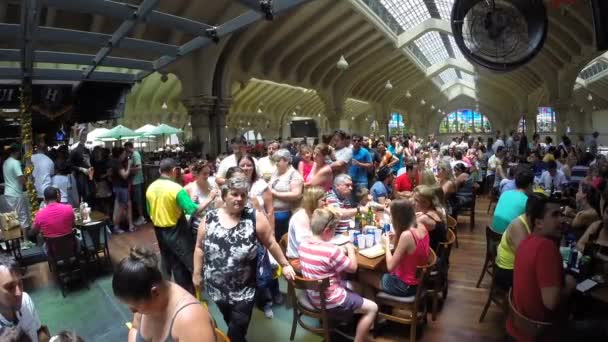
392	285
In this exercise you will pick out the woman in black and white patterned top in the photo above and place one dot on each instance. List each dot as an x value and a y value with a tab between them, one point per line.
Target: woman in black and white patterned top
225	256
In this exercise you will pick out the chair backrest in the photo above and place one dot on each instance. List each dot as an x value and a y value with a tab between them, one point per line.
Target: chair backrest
220	336
446	247
492	241
94	235
318	285
422	273
451	222
283	243
62	248
530	327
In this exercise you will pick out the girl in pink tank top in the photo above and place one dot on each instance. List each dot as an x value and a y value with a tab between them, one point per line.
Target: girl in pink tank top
412	249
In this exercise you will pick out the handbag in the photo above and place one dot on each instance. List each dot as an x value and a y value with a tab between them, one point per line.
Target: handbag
9	220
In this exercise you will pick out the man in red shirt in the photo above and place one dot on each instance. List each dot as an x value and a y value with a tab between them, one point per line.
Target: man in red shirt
56	219
405	183
539	286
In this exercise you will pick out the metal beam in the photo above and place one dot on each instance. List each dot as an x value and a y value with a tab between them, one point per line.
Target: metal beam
122	11
30	17
13	55
124	29
68	75
223	30
75	37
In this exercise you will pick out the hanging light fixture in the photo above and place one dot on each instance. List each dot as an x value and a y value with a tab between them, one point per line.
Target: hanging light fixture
164	106
422	102
293	113
438	110
319	115
432	107
589	97
388	85
259	110
342	63
408	94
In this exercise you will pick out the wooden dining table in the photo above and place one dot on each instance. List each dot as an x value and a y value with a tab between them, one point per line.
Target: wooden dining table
375	264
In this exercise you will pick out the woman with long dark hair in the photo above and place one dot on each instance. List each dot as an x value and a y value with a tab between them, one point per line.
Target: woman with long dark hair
162	310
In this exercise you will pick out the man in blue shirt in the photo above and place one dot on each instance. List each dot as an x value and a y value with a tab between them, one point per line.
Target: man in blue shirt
381	190
361	162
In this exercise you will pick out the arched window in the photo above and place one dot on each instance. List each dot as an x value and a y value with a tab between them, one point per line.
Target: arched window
396	126
522	125
465	121
545	120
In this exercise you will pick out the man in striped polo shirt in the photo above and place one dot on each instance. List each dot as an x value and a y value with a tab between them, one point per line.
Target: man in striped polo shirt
320	259
340	197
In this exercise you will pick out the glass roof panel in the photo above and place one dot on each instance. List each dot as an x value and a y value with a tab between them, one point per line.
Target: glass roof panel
432	47
445	8
448	75
465	76
593	69
408	13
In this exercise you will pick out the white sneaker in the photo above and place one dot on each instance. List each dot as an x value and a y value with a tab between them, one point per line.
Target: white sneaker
140	221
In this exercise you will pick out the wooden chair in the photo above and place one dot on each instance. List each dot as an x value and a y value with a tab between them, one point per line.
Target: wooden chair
453	225
65	259
470	210
496	295
438	278
290	290
532	328
492	241
220	336
303	307
95	242
493	197
408	310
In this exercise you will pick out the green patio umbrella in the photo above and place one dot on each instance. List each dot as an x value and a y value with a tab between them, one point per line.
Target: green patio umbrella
163	129
118	133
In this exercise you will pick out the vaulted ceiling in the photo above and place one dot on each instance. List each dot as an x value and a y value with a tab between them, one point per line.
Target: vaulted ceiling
289	63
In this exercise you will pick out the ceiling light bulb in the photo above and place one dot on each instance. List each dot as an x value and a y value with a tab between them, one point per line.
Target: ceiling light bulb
438	110
342	63
352	118
388	85
248	123
408	94
164	106
422	102
319	115
590	97
259	111
432	107
293	113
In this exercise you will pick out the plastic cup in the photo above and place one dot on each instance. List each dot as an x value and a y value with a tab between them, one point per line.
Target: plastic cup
378	235
370	240
361	241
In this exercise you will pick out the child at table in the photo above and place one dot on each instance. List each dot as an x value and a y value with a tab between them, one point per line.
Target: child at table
412	250
320	259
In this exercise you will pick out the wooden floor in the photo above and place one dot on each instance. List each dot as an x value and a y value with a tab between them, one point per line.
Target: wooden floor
457	320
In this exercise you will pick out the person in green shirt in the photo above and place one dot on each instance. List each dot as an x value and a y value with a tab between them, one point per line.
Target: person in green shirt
167	203
137	183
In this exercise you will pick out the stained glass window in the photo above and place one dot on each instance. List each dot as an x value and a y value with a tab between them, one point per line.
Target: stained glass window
465	121
396	125
545	120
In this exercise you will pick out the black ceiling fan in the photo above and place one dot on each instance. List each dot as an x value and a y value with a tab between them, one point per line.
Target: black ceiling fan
499	35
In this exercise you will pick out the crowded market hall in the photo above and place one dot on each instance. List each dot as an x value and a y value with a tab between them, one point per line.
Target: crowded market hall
303	170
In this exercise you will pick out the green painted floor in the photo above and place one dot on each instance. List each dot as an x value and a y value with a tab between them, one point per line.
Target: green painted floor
96	315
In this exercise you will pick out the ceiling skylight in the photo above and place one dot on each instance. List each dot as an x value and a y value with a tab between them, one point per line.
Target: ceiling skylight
408	13
593	69
444	7
465	76
432	47
448	75
457	52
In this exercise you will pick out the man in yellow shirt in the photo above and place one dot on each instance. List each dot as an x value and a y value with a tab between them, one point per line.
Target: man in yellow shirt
167	203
